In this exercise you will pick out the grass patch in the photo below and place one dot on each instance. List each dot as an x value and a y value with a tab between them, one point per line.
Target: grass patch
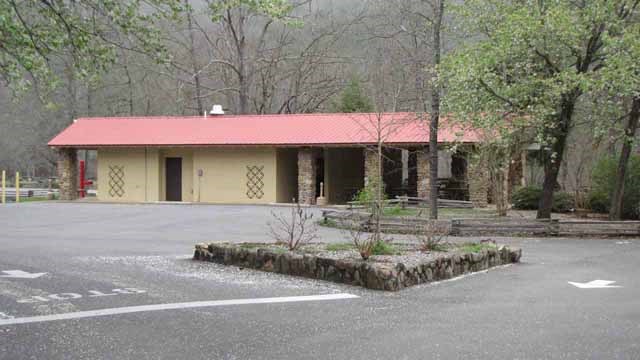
443	213
439	248
476	247
252	245
384	248
339	247
398	211
328	223
279	249
272	247
34	199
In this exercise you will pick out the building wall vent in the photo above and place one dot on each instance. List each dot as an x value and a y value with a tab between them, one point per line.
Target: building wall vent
216	110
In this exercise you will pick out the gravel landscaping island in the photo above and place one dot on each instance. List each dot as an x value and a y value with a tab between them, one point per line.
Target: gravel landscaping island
405	267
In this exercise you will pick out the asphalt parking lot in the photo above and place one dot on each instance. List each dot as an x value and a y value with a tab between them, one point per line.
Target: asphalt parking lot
94	281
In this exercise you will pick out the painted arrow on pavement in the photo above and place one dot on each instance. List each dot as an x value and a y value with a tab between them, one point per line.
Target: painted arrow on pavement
19	274
595	284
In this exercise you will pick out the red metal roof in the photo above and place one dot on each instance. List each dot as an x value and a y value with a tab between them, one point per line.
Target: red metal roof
245	130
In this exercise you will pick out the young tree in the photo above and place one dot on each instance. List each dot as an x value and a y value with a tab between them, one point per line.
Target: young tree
533	59
353	99
416	26
379	127
294	230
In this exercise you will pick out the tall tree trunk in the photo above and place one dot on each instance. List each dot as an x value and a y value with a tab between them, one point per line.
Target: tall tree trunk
194	62
553	158
379	187
243	95
435	114
130	88
127	73
241	53
615	213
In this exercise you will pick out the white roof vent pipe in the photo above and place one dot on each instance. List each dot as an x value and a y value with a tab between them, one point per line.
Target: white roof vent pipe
216	110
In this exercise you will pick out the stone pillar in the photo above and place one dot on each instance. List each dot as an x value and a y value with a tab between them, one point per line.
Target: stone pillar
370	165
68	173
423	181
478	180
306	176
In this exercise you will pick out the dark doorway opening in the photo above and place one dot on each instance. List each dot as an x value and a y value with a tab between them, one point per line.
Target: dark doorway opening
319	173
173	179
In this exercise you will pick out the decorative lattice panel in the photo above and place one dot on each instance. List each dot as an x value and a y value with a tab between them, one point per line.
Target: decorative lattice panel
116	180
255	183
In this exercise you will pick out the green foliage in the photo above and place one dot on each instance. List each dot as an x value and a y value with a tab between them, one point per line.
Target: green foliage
528	198
367	195
352	99
339	247
563	202
603	180
39	35
274	9
621	75
364	195
383	248
532	63
328	223
399	211
599	202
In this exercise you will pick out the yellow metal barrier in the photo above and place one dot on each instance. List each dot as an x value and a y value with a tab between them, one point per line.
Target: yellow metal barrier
4	186
17	187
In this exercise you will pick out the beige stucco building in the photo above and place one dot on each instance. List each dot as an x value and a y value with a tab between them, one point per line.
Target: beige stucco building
251	159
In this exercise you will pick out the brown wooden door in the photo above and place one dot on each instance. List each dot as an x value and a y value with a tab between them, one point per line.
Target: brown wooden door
173	179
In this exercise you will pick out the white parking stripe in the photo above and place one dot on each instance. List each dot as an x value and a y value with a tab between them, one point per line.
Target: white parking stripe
172	306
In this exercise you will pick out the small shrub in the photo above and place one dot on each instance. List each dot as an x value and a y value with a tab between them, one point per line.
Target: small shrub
354	231
563	202
431	236
599	202
383	248
295	230
367	195
603	180
528	198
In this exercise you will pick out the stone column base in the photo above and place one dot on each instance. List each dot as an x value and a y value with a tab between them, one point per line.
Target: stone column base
424	176
306	176
68	173
478	179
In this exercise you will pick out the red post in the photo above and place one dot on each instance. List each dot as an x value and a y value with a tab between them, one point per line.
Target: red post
82	179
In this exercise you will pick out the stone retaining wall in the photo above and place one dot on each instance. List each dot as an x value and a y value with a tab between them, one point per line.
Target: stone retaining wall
372	275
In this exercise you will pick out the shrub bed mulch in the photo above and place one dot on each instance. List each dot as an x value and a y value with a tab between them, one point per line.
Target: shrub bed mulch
408	266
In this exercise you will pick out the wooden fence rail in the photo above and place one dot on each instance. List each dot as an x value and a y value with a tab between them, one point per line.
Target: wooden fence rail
492	226
408	201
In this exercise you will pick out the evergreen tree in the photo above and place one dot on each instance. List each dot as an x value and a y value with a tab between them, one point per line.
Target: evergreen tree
352	99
